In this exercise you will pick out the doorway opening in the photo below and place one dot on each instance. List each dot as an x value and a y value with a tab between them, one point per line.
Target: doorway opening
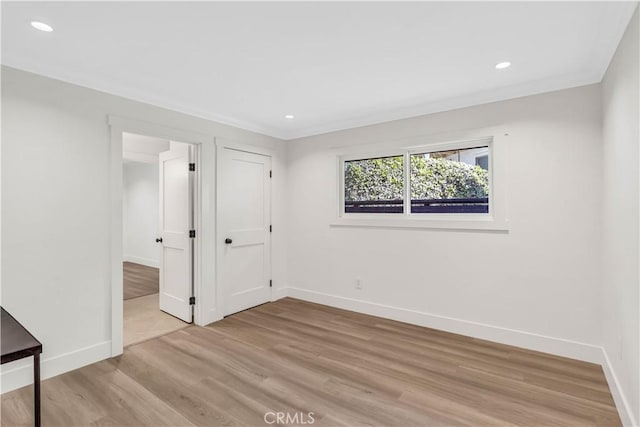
158	198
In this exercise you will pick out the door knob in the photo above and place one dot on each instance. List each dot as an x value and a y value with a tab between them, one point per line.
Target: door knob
228	241
159	240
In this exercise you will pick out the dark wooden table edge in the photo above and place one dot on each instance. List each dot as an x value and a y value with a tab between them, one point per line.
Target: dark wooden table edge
34	351
6	358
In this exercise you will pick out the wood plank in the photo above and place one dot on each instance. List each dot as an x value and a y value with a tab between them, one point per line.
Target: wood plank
140	280
349	369
144	320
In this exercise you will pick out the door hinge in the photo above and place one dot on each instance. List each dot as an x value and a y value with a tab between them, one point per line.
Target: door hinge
192	300
270	283
192	167
270	174
271	229
192	234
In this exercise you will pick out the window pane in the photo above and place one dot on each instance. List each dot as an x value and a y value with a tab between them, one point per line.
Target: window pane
374	185
454	181
483	162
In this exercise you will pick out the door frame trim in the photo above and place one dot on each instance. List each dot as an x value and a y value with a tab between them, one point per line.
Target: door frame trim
204	311
221	144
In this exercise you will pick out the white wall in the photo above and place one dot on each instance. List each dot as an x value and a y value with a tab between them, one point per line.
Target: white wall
140	213
56	213
620	159
536	286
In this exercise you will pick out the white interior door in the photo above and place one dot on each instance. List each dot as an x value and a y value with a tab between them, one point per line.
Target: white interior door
245	219
176	219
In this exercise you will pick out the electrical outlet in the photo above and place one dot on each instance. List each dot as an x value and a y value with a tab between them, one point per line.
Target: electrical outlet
358	283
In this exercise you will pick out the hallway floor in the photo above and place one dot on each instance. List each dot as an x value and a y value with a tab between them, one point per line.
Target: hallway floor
144	320
139	280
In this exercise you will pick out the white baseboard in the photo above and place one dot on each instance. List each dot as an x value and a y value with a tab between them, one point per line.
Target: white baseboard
279	293
531	341
21	373
552	345
144	261
208	317
622	404
213	315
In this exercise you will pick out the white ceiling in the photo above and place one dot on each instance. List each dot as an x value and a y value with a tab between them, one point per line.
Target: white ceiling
334	65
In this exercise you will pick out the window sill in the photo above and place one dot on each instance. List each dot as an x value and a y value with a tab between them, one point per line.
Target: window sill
461	224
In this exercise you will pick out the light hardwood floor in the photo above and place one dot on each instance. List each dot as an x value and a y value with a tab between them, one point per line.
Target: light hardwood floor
139	280
348	369
143	320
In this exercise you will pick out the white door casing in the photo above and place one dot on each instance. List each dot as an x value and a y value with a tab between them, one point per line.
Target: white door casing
205	219
244	239
176	219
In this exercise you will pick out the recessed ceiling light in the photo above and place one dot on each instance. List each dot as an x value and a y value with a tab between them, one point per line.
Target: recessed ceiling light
503	65
289	116
38	25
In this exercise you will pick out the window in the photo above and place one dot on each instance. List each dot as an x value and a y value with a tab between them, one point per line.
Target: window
483	162
374	185
449	182
452	181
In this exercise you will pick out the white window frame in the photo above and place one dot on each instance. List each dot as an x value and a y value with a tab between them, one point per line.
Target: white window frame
495	220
